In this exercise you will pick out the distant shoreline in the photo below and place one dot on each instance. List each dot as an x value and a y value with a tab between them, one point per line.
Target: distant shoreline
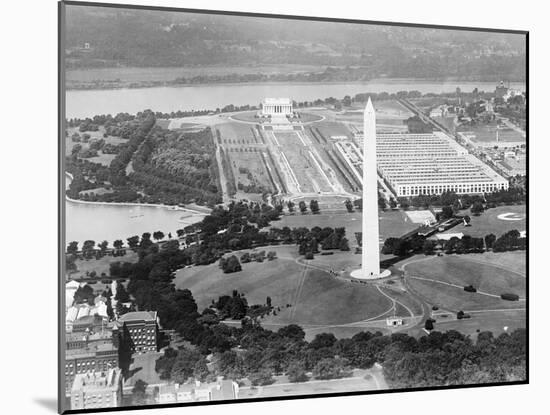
171	84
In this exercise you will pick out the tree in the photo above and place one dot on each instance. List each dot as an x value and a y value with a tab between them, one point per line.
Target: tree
447	212
329	368
268	301
290	205
428	247
133	241
490	240
322	340
184	365
477	208
349	205
200	370
158	235
261	377
303	207
314	206
118	244
72	248
271	255
122	295
88	247
344	244
230	265
139	393
296	372
292	331
103	246
429	324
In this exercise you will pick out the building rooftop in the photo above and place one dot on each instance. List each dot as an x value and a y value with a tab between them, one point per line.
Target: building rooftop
138	315
277	101
94	381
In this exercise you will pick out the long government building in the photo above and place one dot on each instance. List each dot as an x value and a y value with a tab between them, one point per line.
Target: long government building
416	164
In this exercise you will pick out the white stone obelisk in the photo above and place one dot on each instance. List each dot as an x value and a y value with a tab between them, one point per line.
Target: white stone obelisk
370	251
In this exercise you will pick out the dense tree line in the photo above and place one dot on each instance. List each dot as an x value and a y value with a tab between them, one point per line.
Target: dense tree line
166	167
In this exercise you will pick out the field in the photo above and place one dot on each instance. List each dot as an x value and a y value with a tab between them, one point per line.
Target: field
489	222
392	223
101	265
316	298
390	115
487	133
305	171
430	278
101	158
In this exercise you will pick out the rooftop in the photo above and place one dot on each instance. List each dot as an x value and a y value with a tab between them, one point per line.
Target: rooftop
97	380
277	101
138	315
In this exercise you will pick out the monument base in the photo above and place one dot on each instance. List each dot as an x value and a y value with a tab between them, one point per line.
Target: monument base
360	274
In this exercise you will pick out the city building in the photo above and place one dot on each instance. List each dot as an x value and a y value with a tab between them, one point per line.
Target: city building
89	352
414	164
76	316
97	390
221	390
276	106
172	393
513	164
141	327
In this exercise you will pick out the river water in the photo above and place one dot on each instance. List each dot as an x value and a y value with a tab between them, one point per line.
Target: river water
87	103
100	222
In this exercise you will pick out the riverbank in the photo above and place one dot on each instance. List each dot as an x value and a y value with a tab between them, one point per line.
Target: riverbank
106	85
210	97
133	204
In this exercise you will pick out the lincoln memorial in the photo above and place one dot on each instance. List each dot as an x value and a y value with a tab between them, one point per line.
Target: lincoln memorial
276	106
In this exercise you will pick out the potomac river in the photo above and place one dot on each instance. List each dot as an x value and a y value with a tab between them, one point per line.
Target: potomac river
87	103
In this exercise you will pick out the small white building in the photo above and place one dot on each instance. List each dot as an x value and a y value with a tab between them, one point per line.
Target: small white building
394	321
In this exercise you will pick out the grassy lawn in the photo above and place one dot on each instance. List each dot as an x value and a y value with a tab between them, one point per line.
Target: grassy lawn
514	261
316	297
488	222
460	271
102	265
392	223
494	321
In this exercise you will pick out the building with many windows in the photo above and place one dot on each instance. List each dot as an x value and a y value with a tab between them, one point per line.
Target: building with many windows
88	353
97	390
142	330
414	164
221	390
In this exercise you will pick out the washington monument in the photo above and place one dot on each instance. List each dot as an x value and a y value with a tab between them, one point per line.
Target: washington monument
370	258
